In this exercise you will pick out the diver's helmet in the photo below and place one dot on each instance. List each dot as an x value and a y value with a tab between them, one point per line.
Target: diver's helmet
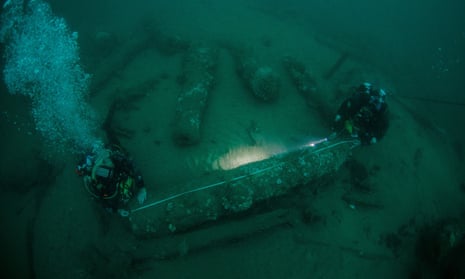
101	175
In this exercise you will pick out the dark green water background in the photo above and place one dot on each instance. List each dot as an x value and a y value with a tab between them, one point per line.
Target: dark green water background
415	49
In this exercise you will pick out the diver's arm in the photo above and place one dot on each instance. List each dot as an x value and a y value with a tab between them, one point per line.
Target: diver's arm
140	185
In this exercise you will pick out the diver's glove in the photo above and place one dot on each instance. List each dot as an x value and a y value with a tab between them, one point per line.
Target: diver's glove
142	195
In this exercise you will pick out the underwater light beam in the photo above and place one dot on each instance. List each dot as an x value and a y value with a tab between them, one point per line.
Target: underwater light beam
245	155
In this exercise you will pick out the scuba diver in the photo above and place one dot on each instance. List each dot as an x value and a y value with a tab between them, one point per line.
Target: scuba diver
110	176
363	115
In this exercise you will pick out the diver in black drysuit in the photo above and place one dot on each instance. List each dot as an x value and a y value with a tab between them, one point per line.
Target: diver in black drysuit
363	115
